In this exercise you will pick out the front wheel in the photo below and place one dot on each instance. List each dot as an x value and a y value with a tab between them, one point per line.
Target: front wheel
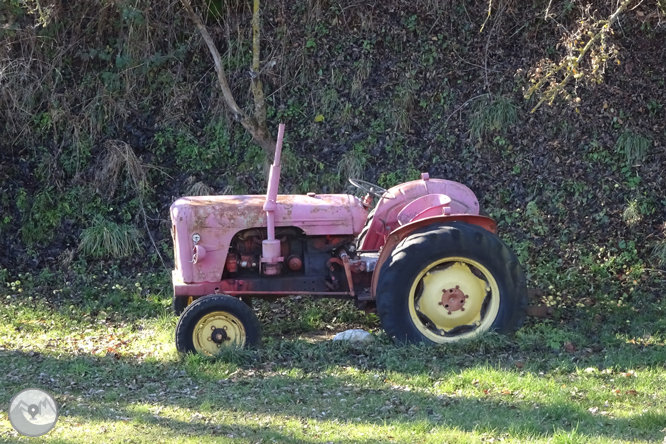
446	282
180	303
213	323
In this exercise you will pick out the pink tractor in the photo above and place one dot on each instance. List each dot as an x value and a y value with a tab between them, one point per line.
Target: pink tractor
424	258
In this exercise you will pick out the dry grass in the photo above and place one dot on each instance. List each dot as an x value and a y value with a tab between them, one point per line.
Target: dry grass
37	100
65	258
403	106
199	189
659	253
119	157
361	74
351	165
632	214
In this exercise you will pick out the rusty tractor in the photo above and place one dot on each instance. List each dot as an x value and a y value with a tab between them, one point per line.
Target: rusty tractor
432	267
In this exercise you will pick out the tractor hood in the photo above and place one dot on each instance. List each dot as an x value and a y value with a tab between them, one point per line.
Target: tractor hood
216	219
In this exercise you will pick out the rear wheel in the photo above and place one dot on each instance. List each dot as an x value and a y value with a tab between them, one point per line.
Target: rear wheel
450	281
213	323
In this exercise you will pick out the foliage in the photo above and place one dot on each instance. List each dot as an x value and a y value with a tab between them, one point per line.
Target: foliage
634	146
352	165
42	215
496	116
659	253
209	151
107	239
591	36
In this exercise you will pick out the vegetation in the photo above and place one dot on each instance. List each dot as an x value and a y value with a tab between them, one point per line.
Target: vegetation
107	355
634	146
104	239
496	116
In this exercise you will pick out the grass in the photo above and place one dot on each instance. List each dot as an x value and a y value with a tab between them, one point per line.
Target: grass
634	146
632	214
352	164
105	238
107	355
659	253
488	118
200	189
118	158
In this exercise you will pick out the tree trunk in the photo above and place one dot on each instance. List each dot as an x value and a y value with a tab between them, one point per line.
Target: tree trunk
255	124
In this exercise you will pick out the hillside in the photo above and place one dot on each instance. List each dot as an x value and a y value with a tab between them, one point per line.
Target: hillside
382	90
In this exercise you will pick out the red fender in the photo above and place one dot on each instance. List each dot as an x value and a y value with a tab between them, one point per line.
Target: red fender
402	232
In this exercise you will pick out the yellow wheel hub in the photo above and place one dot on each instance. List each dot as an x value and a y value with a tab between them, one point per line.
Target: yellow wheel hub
216	331
453	292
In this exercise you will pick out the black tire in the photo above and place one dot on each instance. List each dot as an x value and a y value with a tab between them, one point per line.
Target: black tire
470	247
179	304
205	306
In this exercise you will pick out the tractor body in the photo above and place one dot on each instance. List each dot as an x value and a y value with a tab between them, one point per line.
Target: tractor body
218	239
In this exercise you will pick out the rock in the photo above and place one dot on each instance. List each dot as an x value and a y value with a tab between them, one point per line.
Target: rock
356	335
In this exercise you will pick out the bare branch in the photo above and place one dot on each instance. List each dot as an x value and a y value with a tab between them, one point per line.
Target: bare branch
219	68
490	8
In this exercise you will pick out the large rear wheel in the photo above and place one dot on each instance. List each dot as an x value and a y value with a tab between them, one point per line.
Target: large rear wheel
212	323
446	282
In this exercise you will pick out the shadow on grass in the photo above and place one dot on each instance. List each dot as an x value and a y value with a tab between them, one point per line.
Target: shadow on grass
119	386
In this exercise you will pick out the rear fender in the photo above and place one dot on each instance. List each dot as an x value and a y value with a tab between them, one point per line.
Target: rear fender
399	234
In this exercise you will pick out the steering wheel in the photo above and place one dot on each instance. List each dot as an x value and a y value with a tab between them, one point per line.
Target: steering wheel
369	188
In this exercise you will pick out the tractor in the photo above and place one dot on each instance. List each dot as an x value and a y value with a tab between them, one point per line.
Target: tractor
433	268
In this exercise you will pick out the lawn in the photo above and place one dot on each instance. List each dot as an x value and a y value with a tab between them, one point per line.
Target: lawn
106	353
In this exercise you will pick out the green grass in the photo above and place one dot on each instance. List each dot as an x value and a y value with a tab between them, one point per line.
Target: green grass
634	146
659	253
496	116
632	214
105	238
108	357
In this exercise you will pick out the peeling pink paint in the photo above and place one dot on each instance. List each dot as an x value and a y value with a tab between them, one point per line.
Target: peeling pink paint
218	218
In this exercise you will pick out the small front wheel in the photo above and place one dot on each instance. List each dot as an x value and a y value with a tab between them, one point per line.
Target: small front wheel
450	281
212	323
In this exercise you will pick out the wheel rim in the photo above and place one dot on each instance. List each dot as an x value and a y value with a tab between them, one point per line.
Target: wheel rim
454	298
216	331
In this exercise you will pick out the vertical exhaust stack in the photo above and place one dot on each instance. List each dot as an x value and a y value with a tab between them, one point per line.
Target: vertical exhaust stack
271	260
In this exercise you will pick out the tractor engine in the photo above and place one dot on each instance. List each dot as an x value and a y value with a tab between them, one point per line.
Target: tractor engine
316	261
